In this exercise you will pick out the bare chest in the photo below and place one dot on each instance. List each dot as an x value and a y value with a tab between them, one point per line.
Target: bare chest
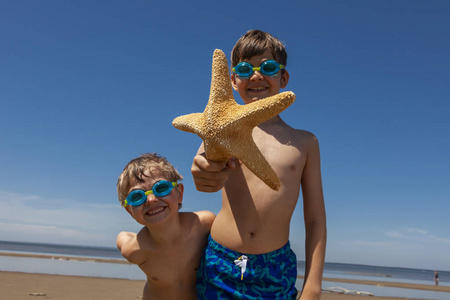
173	271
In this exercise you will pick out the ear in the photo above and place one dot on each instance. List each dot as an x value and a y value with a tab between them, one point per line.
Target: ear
284	79
128	209
180	190
233	82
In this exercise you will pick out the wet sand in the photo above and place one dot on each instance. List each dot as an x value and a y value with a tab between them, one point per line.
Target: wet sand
31	286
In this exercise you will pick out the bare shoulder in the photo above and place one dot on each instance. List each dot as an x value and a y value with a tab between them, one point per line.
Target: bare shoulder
304	139
288	135
206	217
201	219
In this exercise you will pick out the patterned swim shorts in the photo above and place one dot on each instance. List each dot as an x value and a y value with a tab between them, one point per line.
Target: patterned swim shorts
226	274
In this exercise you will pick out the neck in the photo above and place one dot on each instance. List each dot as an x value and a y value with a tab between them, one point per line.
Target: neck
165	233
273	121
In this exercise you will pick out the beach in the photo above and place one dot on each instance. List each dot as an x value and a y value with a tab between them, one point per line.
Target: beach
16	285
30	286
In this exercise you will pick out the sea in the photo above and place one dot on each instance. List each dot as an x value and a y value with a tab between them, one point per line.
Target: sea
96	262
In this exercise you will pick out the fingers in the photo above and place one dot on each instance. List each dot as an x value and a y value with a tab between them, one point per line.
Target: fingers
231	163
210	176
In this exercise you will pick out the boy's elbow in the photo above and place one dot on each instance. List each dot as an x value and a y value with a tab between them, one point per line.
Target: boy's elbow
318	225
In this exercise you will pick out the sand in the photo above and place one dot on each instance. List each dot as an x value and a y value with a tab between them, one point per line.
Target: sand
31	286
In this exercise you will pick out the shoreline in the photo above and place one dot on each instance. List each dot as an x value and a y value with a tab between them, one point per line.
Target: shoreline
22	285
64	257
414	286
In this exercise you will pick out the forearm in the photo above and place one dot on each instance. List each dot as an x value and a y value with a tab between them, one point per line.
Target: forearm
315	244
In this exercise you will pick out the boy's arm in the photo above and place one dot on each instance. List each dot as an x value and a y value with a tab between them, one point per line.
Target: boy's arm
315	223
128	246
210	176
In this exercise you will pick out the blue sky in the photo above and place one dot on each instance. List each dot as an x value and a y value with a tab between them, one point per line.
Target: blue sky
85	86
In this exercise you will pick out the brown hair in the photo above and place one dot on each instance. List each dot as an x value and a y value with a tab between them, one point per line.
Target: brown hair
136	168
255	42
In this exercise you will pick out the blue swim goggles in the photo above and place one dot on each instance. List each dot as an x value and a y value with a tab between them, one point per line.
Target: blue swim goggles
160	189
269	67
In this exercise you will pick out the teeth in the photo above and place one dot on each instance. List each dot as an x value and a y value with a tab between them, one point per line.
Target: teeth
257	88
156	211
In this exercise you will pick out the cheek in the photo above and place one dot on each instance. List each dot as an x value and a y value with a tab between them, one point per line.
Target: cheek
235	82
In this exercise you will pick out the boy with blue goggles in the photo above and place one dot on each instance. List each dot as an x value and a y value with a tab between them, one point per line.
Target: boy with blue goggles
269	67
160	189
154	247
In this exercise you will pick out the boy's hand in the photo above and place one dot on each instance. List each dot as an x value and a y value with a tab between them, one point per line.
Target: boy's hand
210	176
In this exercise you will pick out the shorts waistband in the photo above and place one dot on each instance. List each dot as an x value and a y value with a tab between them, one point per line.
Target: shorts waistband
228	254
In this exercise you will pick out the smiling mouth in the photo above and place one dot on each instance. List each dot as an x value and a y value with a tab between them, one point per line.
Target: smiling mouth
257	89
156	211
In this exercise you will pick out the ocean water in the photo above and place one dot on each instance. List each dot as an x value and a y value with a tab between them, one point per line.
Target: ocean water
68	250
85	267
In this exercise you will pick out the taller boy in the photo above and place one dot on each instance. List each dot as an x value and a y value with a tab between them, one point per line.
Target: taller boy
248	255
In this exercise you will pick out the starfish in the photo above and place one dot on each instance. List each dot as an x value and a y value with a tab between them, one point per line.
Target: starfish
226	126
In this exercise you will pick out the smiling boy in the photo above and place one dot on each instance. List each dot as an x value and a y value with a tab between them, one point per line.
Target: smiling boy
169	246
248	255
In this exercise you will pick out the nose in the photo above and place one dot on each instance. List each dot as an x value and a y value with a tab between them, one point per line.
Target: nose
256	76
151	198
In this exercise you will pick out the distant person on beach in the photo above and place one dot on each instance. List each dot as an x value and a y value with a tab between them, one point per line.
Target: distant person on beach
436	277
248	255
169	246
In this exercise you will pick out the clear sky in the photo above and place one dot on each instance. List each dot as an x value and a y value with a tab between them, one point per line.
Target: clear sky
85	86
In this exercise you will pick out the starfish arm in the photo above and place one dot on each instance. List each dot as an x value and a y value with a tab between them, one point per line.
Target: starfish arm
262	110
221	91
250	155
190	123
215	150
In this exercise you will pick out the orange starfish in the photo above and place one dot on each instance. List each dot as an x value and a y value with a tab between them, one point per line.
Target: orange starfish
226	126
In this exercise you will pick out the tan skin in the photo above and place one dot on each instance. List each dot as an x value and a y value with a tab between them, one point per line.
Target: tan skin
169	246
255	219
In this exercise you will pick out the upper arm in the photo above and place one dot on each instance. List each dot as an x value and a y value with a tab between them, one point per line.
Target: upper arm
313	202
129	247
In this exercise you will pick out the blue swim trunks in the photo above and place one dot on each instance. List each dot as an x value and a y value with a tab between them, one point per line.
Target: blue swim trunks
227	274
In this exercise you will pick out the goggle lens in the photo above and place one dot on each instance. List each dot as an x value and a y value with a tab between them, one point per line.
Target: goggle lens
244	70
269	67
160	189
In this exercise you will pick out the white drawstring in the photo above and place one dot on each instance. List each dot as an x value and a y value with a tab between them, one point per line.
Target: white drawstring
242	262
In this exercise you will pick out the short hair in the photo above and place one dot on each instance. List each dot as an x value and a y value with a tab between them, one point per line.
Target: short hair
255	42
136	168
